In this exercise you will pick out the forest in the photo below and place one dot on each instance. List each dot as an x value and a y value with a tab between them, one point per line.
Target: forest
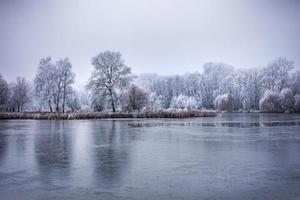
113	87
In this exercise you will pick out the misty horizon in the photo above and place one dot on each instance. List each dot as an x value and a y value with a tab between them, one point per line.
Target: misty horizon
166	38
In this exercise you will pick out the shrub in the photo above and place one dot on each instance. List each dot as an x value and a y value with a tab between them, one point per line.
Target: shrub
136	99
224	102
270	102
183	102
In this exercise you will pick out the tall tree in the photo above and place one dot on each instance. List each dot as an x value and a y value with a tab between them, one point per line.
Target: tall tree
110	75
65	80
45	82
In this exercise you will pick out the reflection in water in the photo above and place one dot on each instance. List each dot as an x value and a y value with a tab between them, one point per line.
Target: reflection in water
111	151
3	140
250	155
95	152
215	124
53	147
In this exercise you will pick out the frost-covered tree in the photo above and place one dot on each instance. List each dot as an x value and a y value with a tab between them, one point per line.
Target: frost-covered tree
154	102
232	84
4	94
53	83
110	75
85	100
270	102
224	102
287	99
179	102
192	88
295	82
183	102
213	74
250	90
276	75
20	94
44	83
191	103
65	78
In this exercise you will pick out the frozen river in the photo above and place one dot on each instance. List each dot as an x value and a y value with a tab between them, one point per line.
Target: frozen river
232	156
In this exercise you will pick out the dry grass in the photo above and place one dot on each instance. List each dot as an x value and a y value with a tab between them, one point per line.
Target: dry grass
105	115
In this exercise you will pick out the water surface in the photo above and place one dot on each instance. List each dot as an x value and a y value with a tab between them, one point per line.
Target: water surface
232	156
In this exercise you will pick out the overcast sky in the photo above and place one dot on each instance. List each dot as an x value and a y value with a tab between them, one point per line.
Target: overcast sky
154	36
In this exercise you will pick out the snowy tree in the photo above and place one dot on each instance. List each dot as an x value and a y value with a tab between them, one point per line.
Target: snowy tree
295	82
4	94
270	102
85	100
20	94
53	83
251	90
224	102
191	103
45	83
110	76
213	74
154	102
179	102
276	75
183	102
193	89
232	84
287	99
65	79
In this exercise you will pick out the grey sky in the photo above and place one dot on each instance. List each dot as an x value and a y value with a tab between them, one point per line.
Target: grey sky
162	36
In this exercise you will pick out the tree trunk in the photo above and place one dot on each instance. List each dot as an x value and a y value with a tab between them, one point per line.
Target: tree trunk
57	108
49	102
56	102
63	106
113	106
112	101
64	98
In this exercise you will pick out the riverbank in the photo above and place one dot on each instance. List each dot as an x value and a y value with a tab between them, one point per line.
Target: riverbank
105	115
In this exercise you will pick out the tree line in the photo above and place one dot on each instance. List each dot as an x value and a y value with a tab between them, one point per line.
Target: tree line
113	87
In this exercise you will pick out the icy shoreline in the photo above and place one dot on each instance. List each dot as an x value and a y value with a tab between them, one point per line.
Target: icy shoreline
105	115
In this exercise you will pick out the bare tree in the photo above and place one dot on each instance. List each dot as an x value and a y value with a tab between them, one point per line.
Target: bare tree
20	94
136	99
110	75
4	93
